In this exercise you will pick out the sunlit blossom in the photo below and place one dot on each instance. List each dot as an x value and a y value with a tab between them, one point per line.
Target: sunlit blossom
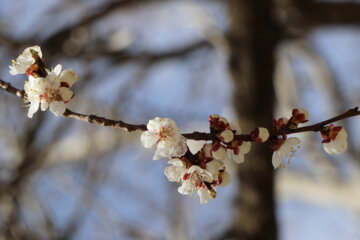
164	133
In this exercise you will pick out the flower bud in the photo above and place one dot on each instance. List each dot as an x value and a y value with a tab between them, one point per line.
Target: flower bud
300	115
260	134
335	139
280	123
226	136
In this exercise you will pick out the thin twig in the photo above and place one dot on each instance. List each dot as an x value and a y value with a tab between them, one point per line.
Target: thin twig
195	135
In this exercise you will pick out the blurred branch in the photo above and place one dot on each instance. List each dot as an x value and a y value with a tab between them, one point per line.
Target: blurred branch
14	188
320	191
324	13
296	17
151	57
93	178
52	43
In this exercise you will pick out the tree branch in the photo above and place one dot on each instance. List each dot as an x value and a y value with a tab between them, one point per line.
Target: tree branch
195	135
317	127
326	13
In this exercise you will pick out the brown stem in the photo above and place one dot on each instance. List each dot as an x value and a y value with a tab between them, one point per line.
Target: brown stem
104	121
318	126
195	135
82	117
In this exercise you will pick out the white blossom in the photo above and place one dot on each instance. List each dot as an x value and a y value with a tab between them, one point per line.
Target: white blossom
204	195
263	134
163	133
226	136
213	168
194	179
225	179
238	154
214	151
175	172
337	145
201	179
237	151
50	92
219	153
25	60
286	149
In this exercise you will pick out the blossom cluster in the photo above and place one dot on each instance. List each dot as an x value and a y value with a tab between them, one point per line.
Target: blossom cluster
335	137
201	172
47	89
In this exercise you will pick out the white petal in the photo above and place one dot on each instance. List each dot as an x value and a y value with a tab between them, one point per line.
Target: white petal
219	154
176	162
18	69
226	179
163	149
213	168
66	93
53	81
194	146
224	120
205	195
263	134
338	145
288	146
342	134
244	148
276	159
57	70
180	148
236	127
69	76
34	106
161	153
44	104
148	139
187	188
227	135
207	150
238	158
155	124
328	148
57	107
174	173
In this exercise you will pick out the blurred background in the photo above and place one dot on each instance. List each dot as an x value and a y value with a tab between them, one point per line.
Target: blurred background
249	61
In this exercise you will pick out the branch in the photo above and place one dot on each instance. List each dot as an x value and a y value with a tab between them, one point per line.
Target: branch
10	89
151	57
82	117
322	13
195	135
104	121
51	43
317	127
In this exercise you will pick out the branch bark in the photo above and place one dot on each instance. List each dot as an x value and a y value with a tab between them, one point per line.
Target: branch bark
330	13
98	120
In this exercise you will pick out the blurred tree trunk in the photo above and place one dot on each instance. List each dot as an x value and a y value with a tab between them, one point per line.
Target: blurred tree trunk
253	37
